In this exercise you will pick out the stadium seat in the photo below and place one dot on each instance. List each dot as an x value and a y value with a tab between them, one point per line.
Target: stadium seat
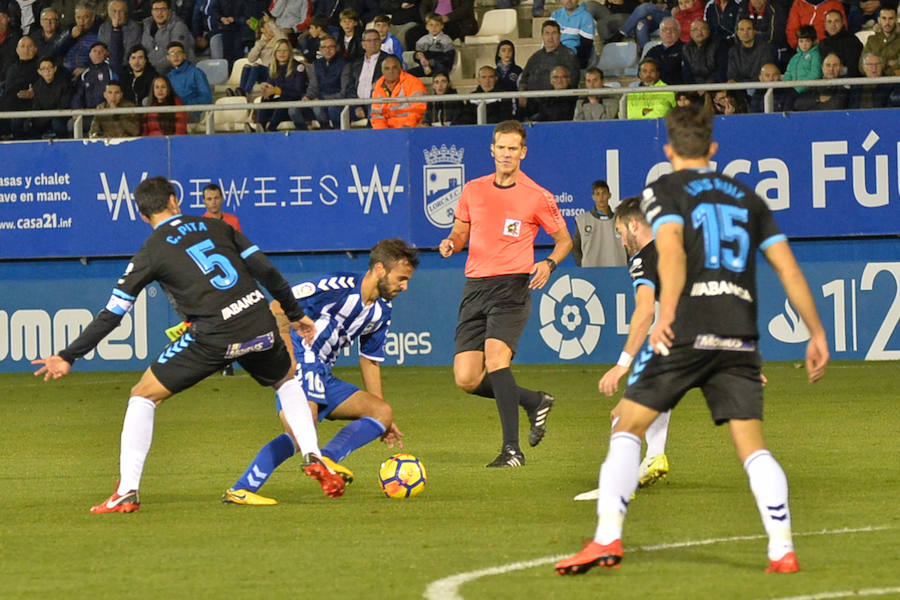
231	120
648	45
863	35
497	24
237	68
216	70
616	57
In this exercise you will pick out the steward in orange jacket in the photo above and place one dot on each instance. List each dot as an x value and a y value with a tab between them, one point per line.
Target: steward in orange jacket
395	83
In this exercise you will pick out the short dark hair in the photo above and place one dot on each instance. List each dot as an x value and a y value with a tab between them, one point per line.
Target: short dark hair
599	184
152	195
595	70
550	23
212	187
382	19
630	208
166	2
319	21
690	131
114	82
392	251
99	43
175	45
135	48
511	126
807	32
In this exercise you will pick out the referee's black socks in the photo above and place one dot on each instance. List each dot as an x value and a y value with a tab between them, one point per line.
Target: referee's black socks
506	393
528	399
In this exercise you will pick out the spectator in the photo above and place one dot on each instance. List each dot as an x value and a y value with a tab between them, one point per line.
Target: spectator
705	57
351	40
137	79
769	22
47	36
294	15
841	42
260	58
690	99
876	95
806	63
576	29
732	102
224	20
834	97
536	74
722	16
810	12
458	17
51	93
308	44
595	242
507	71
783	98
649	105
402	11
364	72
862	14
119	33
168	123
189	82
395	83
140	9
327	83
389	42
288	80
115	126
496	109
885	42
75	45
8	40
669	55
18	88
610	17
643	22
686	13
449	112
161	29
557	108
434	50
89	86
595	108
749	54
25	14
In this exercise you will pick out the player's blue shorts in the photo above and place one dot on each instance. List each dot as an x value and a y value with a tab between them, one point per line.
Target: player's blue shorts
321	387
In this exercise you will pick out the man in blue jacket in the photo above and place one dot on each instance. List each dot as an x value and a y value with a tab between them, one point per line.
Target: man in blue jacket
187	80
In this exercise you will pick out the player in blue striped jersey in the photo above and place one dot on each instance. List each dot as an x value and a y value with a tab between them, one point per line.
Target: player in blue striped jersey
345	307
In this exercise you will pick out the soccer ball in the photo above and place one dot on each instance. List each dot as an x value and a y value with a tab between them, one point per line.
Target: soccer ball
402	476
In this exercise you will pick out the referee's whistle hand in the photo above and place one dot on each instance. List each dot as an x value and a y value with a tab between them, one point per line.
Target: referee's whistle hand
540	275
446	247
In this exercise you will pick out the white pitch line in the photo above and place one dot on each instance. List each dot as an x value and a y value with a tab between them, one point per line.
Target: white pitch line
447	588
845	594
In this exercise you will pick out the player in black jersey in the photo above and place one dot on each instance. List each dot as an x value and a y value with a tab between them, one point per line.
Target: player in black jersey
708	228
210	271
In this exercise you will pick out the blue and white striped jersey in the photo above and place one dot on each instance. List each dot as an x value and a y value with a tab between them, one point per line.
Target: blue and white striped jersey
334	302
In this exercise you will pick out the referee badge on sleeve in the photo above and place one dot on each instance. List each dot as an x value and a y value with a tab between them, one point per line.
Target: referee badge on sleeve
512	227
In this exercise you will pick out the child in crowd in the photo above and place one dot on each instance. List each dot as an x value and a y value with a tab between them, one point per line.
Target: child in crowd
308	44
507	70
389	42
351	35
686	13
807	62
434	50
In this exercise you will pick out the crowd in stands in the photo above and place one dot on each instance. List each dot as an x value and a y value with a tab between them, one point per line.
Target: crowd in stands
85	54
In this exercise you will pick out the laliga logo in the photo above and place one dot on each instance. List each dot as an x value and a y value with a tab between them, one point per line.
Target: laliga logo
792	332
444	174
571	317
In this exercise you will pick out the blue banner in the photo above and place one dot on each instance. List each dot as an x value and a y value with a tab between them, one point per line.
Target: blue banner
824	175
581	316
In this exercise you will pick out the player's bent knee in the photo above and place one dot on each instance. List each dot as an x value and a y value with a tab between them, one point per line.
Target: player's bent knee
467	382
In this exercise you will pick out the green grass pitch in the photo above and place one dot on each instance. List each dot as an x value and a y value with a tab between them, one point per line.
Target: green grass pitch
59	445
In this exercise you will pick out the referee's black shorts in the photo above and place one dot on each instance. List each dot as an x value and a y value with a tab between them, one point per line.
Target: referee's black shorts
730	380
195	356
493	307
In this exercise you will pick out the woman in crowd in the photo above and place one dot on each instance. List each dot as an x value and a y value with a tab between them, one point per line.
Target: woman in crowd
507	70
260	57
288	80
168	123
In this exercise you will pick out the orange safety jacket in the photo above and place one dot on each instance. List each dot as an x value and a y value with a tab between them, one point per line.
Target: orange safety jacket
398	114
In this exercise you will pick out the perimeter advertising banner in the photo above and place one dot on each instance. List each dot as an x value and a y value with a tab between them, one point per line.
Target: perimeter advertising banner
825	175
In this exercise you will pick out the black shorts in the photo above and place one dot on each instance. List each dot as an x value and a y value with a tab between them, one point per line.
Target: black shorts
493	307
730	381
194	356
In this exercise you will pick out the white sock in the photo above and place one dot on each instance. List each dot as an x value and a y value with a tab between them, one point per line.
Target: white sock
770	488
657	433
137	435
298	416
618	480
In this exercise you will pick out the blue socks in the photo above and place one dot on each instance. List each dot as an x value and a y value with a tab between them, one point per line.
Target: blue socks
354	435
267	460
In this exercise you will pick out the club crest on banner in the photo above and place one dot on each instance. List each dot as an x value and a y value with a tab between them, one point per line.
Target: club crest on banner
444	174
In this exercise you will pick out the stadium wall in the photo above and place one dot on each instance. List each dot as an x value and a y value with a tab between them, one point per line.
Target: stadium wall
825	175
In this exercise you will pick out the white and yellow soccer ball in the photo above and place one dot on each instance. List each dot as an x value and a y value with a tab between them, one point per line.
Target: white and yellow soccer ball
402	476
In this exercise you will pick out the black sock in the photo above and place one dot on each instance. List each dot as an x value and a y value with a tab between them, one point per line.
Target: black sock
529	399
507	395
484	388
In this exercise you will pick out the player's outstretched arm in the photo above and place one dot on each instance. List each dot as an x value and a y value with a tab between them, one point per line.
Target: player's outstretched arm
641	319
672	269
543	268
456	241
53	367
795	286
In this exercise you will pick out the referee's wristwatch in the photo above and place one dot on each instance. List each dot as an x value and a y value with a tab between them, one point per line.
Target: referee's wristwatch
552	264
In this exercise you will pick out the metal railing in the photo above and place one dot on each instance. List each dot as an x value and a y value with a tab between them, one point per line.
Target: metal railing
481	109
